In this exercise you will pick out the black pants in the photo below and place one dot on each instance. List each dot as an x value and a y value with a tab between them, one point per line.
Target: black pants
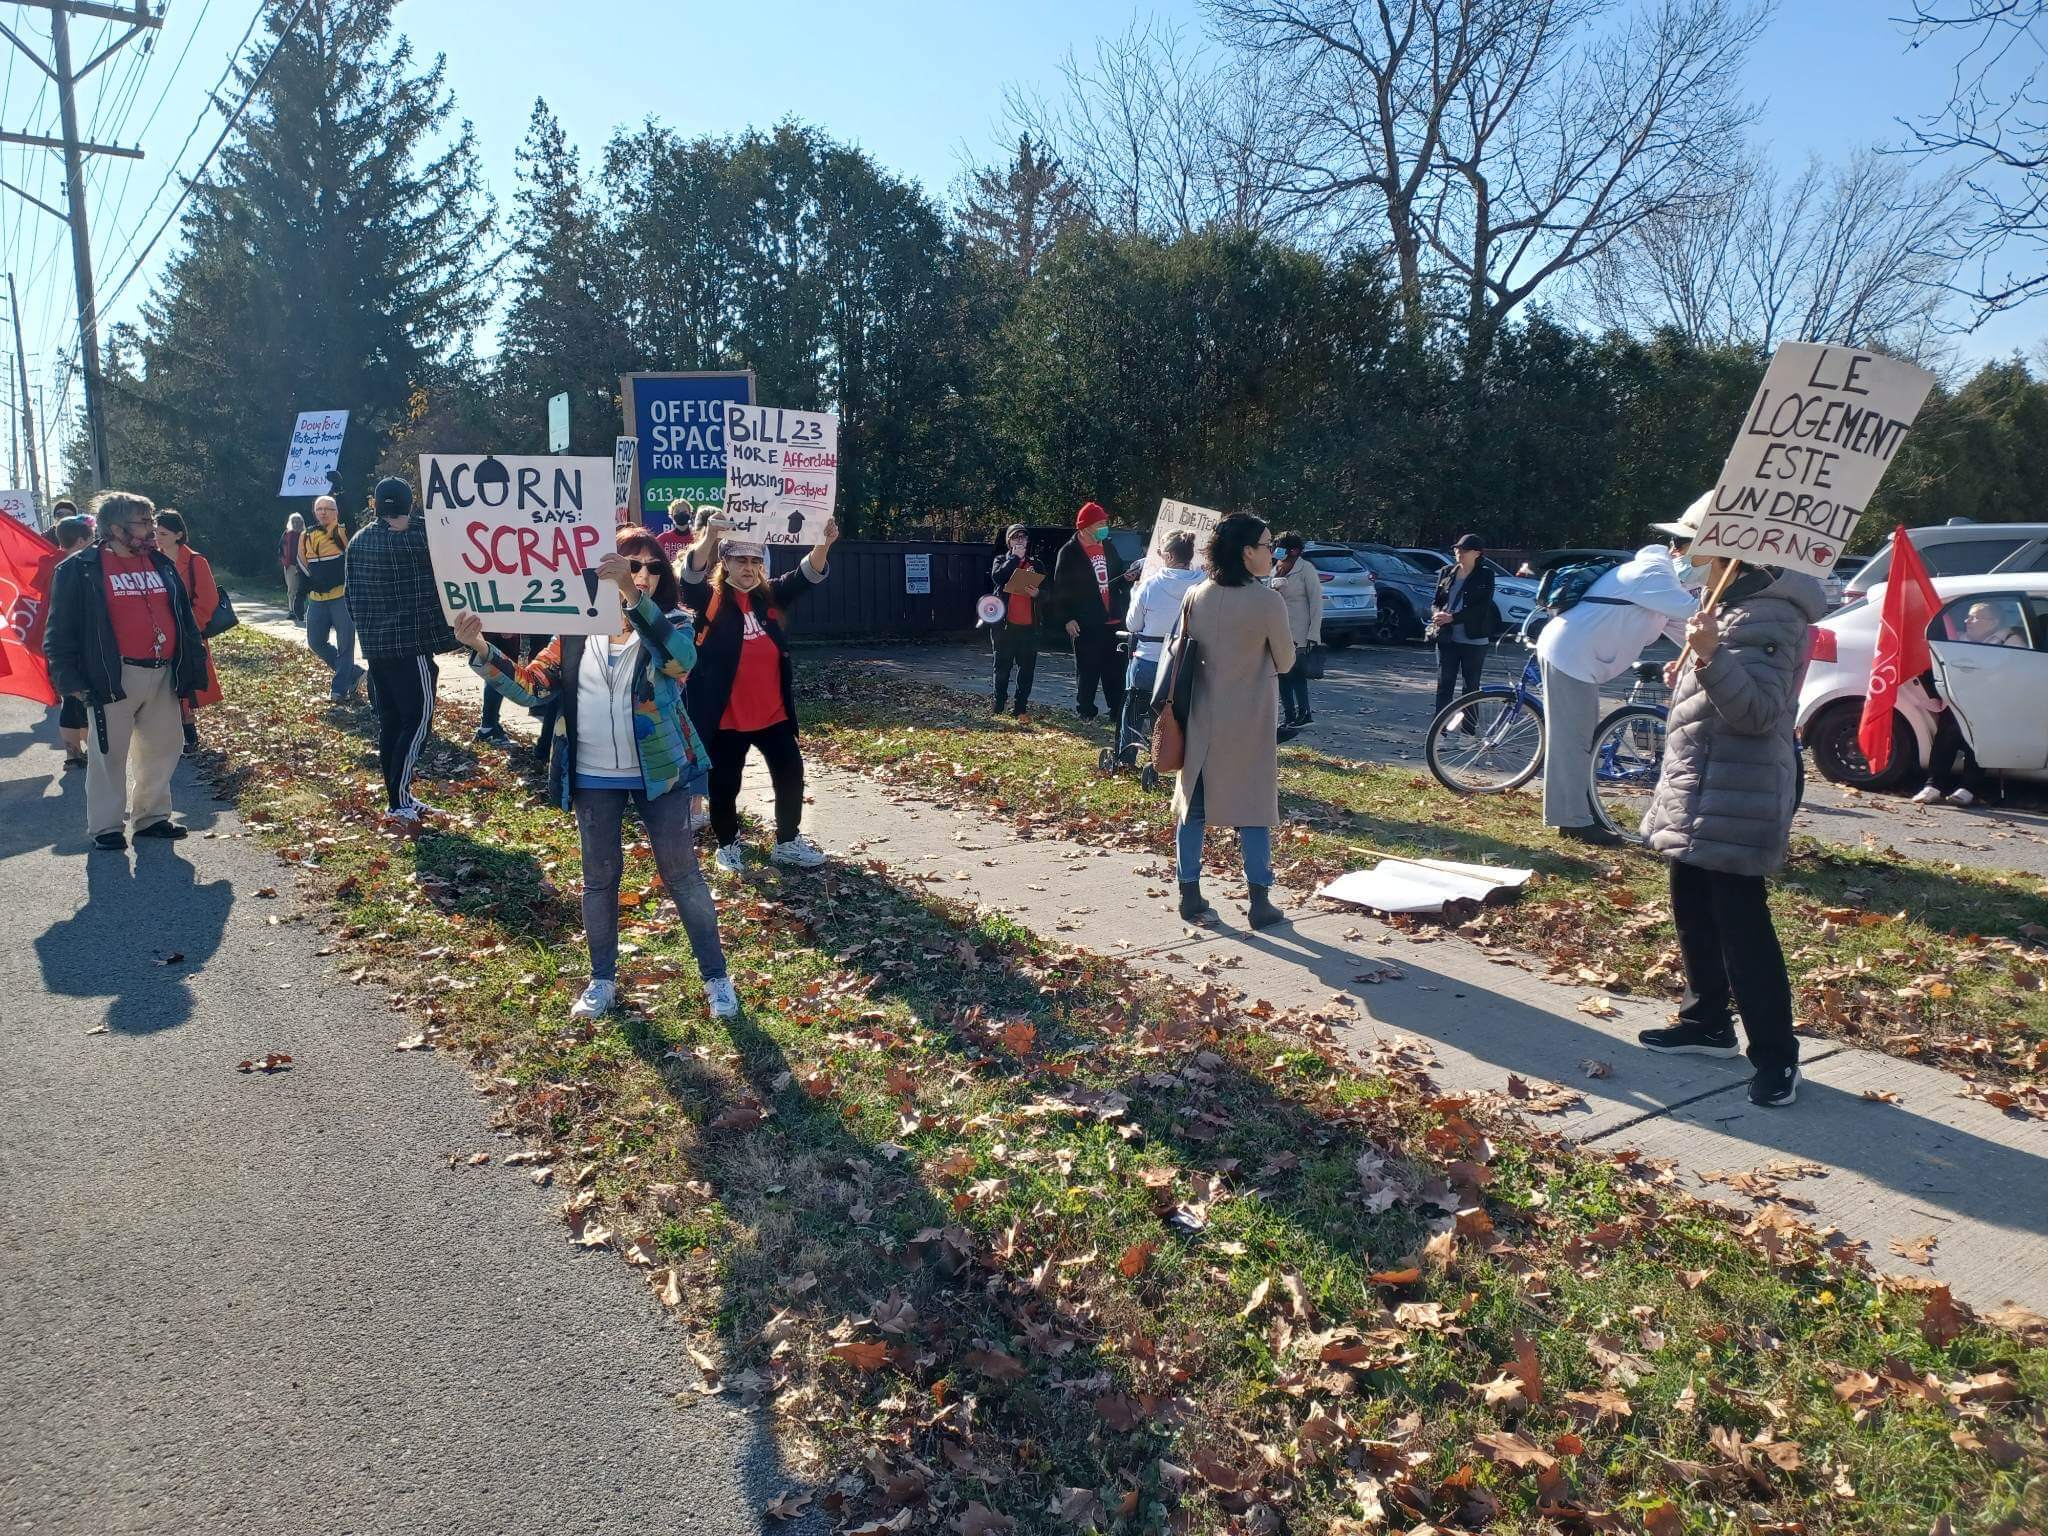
1294	689
1016	647
404	693
1948	745
1096	660
785	760
517	648
1452	658
1731	953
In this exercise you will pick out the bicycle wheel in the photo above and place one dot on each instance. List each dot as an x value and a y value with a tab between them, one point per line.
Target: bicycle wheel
1628	754
1486	743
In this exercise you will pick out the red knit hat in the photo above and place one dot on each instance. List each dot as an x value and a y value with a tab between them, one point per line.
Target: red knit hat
1090	514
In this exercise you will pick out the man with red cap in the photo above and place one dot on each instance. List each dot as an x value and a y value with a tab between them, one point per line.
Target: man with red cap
1085	573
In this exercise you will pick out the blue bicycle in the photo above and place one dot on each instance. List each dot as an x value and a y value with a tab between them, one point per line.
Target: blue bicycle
1491	740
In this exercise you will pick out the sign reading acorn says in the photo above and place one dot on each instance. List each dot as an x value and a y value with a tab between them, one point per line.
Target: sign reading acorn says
516	541
1819	436
781	473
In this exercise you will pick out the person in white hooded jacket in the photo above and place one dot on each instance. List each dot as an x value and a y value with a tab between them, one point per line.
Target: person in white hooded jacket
1592	643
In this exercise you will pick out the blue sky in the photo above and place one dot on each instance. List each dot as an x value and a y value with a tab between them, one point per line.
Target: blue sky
911	81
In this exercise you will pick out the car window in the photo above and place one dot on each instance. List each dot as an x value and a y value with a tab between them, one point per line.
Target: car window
1985	618
2034	558
1334	562
1966	557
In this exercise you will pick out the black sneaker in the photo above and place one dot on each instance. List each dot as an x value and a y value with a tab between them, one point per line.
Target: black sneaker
1690	1040
494	734
110	842
1599	837
164	829
1774	1087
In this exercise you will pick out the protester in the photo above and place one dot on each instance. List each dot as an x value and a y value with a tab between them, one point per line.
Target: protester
392	597
196	572
742	693
1231	771
1594	641
679	535
1016	638
72	533
1084	573
1722	814
1155	609
288	562
1463	620
330	628
122	641
1962	785
626	736
1300	584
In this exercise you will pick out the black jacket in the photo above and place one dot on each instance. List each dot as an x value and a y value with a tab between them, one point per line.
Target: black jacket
1005	567
79	638
1076	597
1475	602
718	645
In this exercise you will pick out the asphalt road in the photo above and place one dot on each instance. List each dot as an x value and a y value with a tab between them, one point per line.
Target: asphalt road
236	1303
1377	702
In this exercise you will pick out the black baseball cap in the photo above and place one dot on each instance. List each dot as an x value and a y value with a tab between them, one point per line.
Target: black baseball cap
1470	541
393	497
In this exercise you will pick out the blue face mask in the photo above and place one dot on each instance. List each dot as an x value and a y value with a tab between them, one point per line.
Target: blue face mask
1689	575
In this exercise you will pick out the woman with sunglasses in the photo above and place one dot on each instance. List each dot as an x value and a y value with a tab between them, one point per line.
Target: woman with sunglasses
741	694
625	735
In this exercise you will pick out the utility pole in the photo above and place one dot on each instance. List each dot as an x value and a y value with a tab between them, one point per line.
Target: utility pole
59	69
28	423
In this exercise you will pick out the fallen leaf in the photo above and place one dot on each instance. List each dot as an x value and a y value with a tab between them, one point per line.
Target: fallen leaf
787	1506
1919	1250
1136	1257
1080	1506
993	1364
862	1355
1596	1069
1512	1450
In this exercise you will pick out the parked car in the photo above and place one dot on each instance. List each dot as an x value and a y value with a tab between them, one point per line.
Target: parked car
1514	595
1351	605
1405	587
1960	547
1999	691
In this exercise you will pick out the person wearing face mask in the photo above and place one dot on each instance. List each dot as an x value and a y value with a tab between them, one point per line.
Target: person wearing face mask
1085	577
626	736
1593	642
1016	637
742	693
1300	584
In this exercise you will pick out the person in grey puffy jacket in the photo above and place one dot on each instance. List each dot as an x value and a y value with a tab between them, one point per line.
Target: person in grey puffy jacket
1722	815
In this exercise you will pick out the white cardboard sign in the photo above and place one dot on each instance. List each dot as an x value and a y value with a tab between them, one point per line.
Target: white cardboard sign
1823	428
1178	517
516	541
781	473
21	506
315	453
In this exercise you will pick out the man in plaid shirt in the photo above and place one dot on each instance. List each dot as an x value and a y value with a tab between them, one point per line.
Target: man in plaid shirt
399	627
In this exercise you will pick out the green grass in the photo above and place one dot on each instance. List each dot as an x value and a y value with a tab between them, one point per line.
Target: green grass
1080	1240
1939	962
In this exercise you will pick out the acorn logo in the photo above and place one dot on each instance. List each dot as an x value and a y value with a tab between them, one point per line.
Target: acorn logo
491	476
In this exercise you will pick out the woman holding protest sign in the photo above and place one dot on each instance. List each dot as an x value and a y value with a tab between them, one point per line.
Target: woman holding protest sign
741	692
626	736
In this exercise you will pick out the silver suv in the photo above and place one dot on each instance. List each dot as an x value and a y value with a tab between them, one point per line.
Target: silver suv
1960	547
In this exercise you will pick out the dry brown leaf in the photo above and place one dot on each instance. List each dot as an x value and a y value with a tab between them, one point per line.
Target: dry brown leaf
862	1354
1511	1450
1136	1257
787	1506
993	1364
1918	1250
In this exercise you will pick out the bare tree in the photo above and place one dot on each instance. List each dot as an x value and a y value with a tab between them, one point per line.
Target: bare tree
1858	253
1501	142
1994	131
1015	212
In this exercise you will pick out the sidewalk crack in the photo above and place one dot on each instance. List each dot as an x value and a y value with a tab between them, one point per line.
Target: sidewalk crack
1665	1109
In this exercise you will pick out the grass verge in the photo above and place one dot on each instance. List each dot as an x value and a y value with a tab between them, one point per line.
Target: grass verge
1008	1238
1941	963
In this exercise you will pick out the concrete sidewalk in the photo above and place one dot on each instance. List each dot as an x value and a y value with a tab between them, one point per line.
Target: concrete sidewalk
1936	1163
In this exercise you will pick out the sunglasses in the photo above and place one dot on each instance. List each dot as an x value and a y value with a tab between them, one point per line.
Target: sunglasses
649	566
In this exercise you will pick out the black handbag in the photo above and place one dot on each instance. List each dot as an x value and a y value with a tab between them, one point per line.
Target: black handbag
224	618
1312	661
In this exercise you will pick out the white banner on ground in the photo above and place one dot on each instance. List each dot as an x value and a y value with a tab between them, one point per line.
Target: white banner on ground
1178	517
516	541
624	451
315	453
781	473
1824	426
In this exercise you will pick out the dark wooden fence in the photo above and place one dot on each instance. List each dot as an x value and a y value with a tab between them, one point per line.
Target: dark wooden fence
864	597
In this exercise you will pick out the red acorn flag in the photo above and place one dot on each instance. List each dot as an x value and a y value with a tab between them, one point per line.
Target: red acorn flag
1910	603
27	563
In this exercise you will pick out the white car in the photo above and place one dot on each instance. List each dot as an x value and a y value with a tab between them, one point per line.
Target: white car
1997	684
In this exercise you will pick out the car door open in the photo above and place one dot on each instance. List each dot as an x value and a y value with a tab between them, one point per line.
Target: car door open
1990	652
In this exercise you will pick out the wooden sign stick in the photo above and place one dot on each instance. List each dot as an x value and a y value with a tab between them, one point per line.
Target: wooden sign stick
1713	601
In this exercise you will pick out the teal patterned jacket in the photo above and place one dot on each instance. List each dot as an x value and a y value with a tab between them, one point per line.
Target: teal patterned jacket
671	754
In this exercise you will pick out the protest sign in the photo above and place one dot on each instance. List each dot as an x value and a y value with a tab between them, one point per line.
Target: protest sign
781	473
1825	423
315	452
624	451
558	422
677	421
1177	517
21	506
917	574
516	541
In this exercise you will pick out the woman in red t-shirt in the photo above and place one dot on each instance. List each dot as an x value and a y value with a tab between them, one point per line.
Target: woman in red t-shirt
197	573
740	689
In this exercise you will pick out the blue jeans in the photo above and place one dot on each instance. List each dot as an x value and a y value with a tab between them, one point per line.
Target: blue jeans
327	616
1131	731
600	820
1255	844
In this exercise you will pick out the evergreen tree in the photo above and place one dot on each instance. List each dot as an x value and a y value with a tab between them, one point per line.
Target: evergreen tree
332	260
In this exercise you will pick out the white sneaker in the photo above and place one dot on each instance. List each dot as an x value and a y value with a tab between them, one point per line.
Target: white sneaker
1961	797
405	819
724	1001
729	859
420	808
1928	795
596	1001
798	853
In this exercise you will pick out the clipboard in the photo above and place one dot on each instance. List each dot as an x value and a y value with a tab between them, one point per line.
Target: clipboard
1023	582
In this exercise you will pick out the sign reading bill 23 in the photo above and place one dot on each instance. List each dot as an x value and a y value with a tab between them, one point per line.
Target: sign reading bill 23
516	541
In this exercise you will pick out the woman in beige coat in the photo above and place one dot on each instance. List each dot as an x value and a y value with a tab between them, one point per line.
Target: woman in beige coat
1231	773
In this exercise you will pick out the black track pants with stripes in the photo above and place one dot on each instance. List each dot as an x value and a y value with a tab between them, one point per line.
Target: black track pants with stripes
404	691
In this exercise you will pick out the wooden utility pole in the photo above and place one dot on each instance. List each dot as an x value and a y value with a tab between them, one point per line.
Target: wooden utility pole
28	422
59	69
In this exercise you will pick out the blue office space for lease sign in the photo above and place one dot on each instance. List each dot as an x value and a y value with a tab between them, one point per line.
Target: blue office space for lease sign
679	419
